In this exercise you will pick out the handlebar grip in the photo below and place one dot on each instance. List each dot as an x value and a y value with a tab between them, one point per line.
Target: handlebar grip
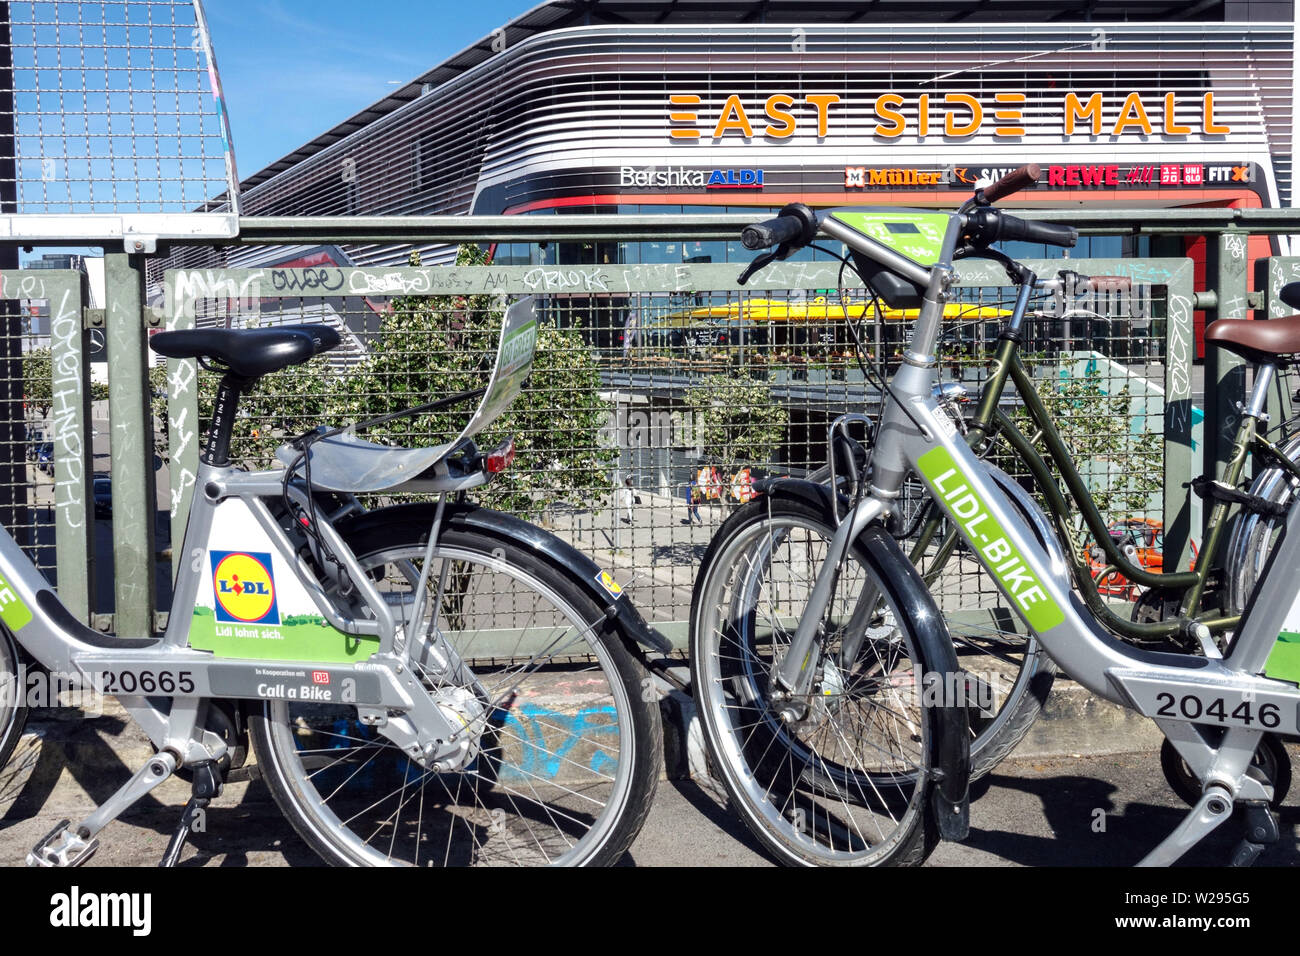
1054	234
1110	283
1013	183
772	232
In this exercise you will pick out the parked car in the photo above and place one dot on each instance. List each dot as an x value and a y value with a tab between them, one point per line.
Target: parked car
103	491
43	454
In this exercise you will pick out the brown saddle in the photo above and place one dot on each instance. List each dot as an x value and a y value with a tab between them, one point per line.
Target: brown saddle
1273	341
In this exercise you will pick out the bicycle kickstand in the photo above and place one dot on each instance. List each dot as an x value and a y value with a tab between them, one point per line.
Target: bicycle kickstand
207	785
1261	830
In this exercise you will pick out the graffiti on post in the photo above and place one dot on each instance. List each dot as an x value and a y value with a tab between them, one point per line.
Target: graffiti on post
66	402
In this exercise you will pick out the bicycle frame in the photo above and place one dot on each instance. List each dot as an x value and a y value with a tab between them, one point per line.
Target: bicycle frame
1213	710
163	682
989	421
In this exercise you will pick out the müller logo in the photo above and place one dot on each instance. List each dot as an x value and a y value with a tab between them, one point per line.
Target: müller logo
861	177
680	176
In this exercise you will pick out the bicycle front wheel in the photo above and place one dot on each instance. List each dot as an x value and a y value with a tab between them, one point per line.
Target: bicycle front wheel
566	745
836	777
1008	674
13	706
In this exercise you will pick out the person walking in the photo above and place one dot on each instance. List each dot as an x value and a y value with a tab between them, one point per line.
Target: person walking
693	504
629	498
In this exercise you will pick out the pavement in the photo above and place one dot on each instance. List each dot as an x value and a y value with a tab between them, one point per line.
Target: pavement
1086	811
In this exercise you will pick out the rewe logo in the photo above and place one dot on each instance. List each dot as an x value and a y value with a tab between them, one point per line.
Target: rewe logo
75	909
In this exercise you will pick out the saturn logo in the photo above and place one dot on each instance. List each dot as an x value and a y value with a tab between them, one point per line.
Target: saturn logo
244	587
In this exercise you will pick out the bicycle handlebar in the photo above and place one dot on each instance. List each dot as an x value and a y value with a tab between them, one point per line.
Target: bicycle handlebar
986	225
796	222
1055	234
1013	182
771	232
1110	283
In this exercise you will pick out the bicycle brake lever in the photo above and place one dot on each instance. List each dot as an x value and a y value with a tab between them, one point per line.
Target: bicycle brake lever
759	262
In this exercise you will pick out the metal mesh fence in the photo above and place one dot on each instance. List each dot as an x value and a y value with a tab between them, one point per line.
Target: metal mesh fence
28	494
115	109
650	414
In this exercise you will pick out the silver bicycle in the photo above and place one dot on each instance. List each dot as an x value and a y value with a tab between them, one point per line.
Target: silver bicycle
834	706
405	674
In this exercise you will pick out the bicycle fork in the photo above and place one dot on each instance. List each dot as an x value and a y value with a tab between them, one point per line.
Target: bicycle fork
795	673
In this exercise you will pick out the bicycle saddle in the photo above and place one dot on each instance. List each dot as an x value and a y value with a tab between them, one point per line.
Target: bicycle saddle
1290	294
248	353
1263	340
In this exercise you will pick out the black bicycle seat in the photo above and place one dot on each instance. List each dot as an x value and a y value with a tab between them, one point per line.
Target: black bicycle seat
248	353
1290	294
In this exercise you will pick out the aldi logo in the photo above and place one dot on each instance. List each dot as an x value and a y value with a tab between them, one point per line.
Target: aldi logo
735	179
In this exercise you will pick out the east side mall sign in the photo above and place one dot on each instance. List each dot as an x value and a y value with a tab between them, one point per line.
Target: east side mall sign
946	114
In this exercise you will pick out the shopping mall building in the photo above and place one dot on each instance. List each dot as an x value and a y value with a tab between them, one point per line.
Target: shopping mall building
688	107
684	107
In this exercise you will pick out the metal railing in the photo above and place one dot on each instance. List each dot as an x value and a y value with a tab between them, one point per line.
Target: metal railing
668	395
670	374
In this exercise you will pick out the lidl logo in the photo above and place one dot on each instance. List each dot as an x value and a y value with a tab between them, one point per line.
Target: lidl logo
244	587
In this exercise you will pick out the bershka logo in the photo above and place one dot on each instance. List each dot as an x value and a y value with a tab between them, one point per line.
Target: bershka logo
74	910
679	177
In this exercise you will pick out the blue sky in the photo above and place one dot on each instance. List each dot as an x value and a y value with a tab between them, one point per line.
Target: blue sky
293	69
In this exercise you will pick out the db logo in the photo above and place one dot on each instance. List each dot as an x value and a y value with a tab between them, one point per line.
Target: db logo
320	677
244	587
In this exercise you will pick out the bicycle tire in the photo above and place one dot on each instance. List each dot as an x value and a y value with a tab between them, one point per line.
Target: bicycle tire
546	787
13	704
1250	545
846	783
991	643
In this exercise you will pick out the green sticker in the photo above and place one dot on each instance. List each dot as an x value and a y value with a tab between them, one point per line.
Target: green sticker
987	535
917	235
12	610
1284	660
296	638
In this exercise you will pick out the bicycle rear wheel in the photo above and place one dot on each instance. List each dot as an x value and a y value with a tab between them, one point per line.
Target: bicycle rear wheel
843	781
565	752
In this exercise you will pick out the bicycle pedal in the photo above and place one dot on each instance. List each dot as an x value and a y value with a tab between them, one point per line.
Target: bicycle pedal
70	850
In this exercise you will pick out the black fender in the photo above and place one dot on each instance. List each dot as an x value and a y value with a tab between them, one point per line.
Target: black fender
810	493
949	757
580	569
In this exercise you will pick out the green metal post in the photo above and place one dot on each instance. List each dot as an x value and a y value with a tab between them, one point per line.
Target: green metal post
1281	270
74	455
183	435
134	503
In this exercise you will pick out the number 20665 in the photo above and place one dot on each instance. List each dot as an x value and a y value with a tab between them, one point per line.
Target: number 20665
146	682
